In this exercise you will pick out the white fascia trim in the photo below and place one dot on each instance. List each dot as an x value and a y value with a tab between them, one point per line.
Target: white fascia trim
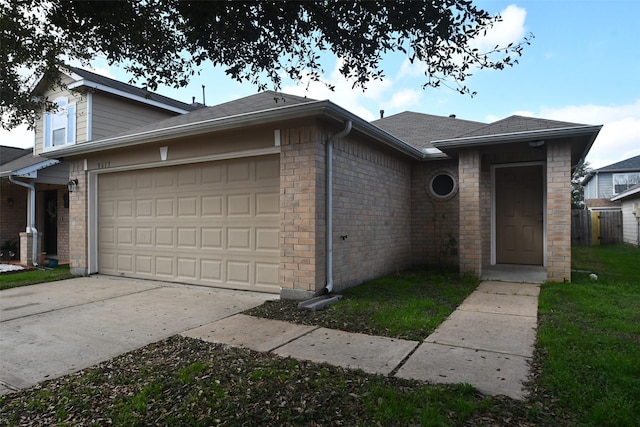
626	194
32	171
126	95
504	138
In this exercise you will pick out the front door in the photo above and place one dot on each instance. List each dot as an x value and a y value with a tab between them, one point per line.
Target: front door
519	215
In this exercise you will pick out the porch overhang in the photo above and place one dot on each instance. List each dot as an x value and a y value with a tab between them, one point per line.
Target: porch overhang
581	139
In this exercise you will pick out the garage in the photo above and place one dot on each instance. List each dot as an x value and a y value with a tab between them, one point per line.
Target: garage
214	223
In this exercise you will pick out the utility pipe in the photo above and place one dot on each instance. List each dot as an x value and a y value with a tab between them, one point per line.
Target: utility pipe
329	205
32	216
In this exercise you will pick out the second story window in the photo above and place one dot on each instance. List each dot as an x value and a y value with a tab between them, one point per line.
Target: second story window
624	181
60	125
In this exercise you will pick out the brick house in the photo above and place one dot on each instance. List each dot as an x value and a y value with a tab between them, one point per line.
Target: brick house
284	194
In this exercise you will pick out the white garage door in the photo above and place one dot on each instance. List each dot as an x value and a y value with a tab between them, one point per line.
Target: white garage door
213	223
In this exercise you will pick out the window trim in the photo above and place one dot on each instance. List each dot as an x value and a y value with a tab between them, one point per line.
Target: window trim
627	176
67	110
453	191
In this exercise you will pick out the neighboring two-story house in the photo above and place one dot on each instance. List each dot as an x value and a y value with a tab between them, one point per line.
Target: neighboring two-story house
90	107
603	184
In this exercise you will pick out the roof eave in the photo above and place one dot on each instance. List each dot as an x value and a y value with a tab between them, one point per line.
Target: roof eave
96	86
626	194
505	138
30	171
310	109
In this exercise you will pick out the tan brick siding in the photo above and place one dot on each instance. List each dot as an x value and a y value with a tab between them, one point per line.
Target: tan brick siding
470	212
301	231
558	211
372	212
433	219
13	219
78	238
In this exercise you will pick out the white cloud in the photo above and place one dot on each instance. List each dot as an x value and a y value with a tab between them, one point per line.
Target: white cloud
364	104
510	30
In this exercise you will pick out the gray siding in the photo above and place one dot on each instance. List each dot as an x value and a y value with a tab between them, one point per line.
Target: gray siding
605	185
111	115
630	221
590	189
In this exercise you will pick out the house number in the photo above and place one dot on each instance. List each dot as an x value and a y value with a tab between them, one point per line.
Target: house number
104	165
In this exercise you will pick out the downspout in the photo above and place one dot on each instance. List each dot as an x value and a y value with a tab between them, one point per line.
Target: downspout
329	204
32	216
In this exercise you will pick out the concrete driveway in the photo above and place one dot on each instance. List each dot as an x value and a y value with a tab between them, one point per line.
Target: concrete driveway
57	328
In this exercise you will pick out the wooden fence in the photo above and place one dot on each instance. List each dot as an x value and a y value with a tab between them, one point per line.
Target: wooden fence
596	228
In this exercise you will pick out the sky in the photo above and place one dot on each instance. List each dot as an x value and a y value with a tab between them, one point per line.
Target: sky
583	66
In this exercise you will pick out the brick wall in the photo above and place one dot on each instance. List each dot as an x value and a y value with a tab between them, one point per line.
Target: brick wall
433	218
558	211
13	219
301	229
470	209
78	239
372	208
372	212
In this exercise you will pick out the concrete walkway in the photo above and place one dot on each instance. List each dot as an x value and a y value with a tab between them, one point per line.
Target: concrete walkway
487	342
58	328
62	327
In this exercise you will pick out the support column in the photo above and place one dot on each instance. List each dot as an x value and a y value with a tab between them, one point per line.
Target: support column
78	220
558	211
470	245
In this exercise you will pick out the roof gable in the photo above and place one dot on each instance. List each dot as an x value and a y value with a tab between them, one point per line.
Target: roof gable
90	79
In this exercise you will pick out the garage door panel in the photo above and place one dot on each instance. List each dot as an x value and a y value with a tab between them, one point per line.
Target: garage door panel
144	265
239	205
212	206
268	203
125	236
239	238
187	238
164	207
164	267
144	208
267	239
214	223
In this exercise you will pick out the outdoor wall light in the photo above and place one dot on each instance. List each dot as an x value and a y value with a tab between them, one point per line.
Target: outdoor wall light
10	201
536	144
72	184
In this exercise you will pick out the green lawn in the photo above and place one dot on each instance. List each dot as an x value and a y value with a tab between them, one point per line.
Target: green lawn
589	338
32	277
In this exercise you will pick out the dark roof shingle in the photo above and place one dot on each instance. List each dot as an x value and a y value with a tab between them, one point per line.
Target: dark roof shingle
516	124
631	164
420	129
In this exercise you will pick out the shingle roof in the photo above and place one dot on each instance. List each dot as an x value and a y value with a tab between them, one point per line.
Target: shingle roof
420	129
259	102
8	154
515	124
25	161
133	90
631	164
